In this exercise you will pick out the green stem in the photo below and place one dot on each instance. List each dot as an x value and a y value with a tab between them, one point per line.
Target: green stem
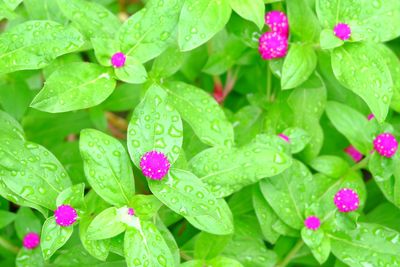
269	82
292	253
362	164
8	246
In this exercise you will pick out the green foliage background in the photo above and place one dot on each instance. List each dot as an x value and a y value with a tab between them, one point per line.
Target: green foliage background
73	130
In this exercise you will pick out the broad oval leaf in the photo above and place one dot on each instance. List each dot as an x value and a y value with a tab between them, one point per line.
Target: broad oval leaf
10	127
53	237
74	86
155	125
107	167
252	10
105	225
34	44
132	72
202	113
97	248
200	20
73	196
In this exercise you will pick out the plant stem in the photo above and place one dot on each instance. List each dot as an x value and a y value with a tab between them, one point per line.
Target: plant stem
185	256
291	254
8	246
269	82
362	164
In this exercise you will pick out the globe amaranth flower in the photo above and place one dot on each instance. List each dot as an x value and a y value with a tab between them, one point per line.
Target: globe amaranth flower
277	22
131	211
386	145
31	240
118	60
371	116
342	31
155	165
272	45
65	215
312	223
354	153
346	200
284	137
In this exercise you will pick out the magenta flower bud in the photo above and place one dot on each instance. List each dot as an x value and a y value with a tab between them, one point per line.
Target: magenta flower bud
342	31
386	145
346	200
312	223
284	137
277	22
371	116
65	215
272	45
354	153
131	211
118	60
31	240
154	165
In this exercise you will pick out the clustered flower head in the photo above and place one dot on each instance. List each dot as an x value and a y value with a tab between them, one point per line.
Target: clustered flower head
371	116
31	240
346	200
312	223
342	31
131	211
386	145
354	153
155	165
65	215
284	137
274	44
118	60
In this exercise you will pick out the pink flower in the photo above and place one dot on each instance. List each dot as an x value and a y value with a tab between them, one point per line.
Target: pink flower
118	60
354	153
346	200
312	223
131	211
31	240
342	31
65	215
371	116
284	137
277	22
386	145
272	45
154	165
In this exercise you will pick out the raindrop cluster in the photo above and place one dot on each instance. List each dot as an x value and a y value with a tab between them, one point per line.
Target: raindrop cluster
346	200
386	145
312	223
155	165
274	44
353	153
31	240
65	215
342	31
118	60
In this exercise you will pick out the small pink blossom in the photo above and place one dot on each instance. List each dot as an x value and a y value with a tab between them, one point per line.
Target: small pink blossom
277	22
154	165
386	145
284	137
312	223
31	240
342	31
354	153
346	200
131	211
371	116
65	215
272	45
118	60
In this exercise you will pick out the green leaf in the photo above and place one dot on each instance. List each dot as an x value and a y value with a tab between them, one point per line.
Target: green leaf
367	245
223	261
200	21
318	243
97	248
74	86
107	167
53	237
145	246
376	21
202	113
252	10
90	18
298	137
332	166
104	49
299	64
248	122
367	76
168	63
155	125
72	196
302	20
169	240
12	4
145	206
10	127
32	172
26	222
144	37
328	40
227	170
106	225
382	168
39	42
208	246
125	97
352	124
6	218
29	258
132	72
43	10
